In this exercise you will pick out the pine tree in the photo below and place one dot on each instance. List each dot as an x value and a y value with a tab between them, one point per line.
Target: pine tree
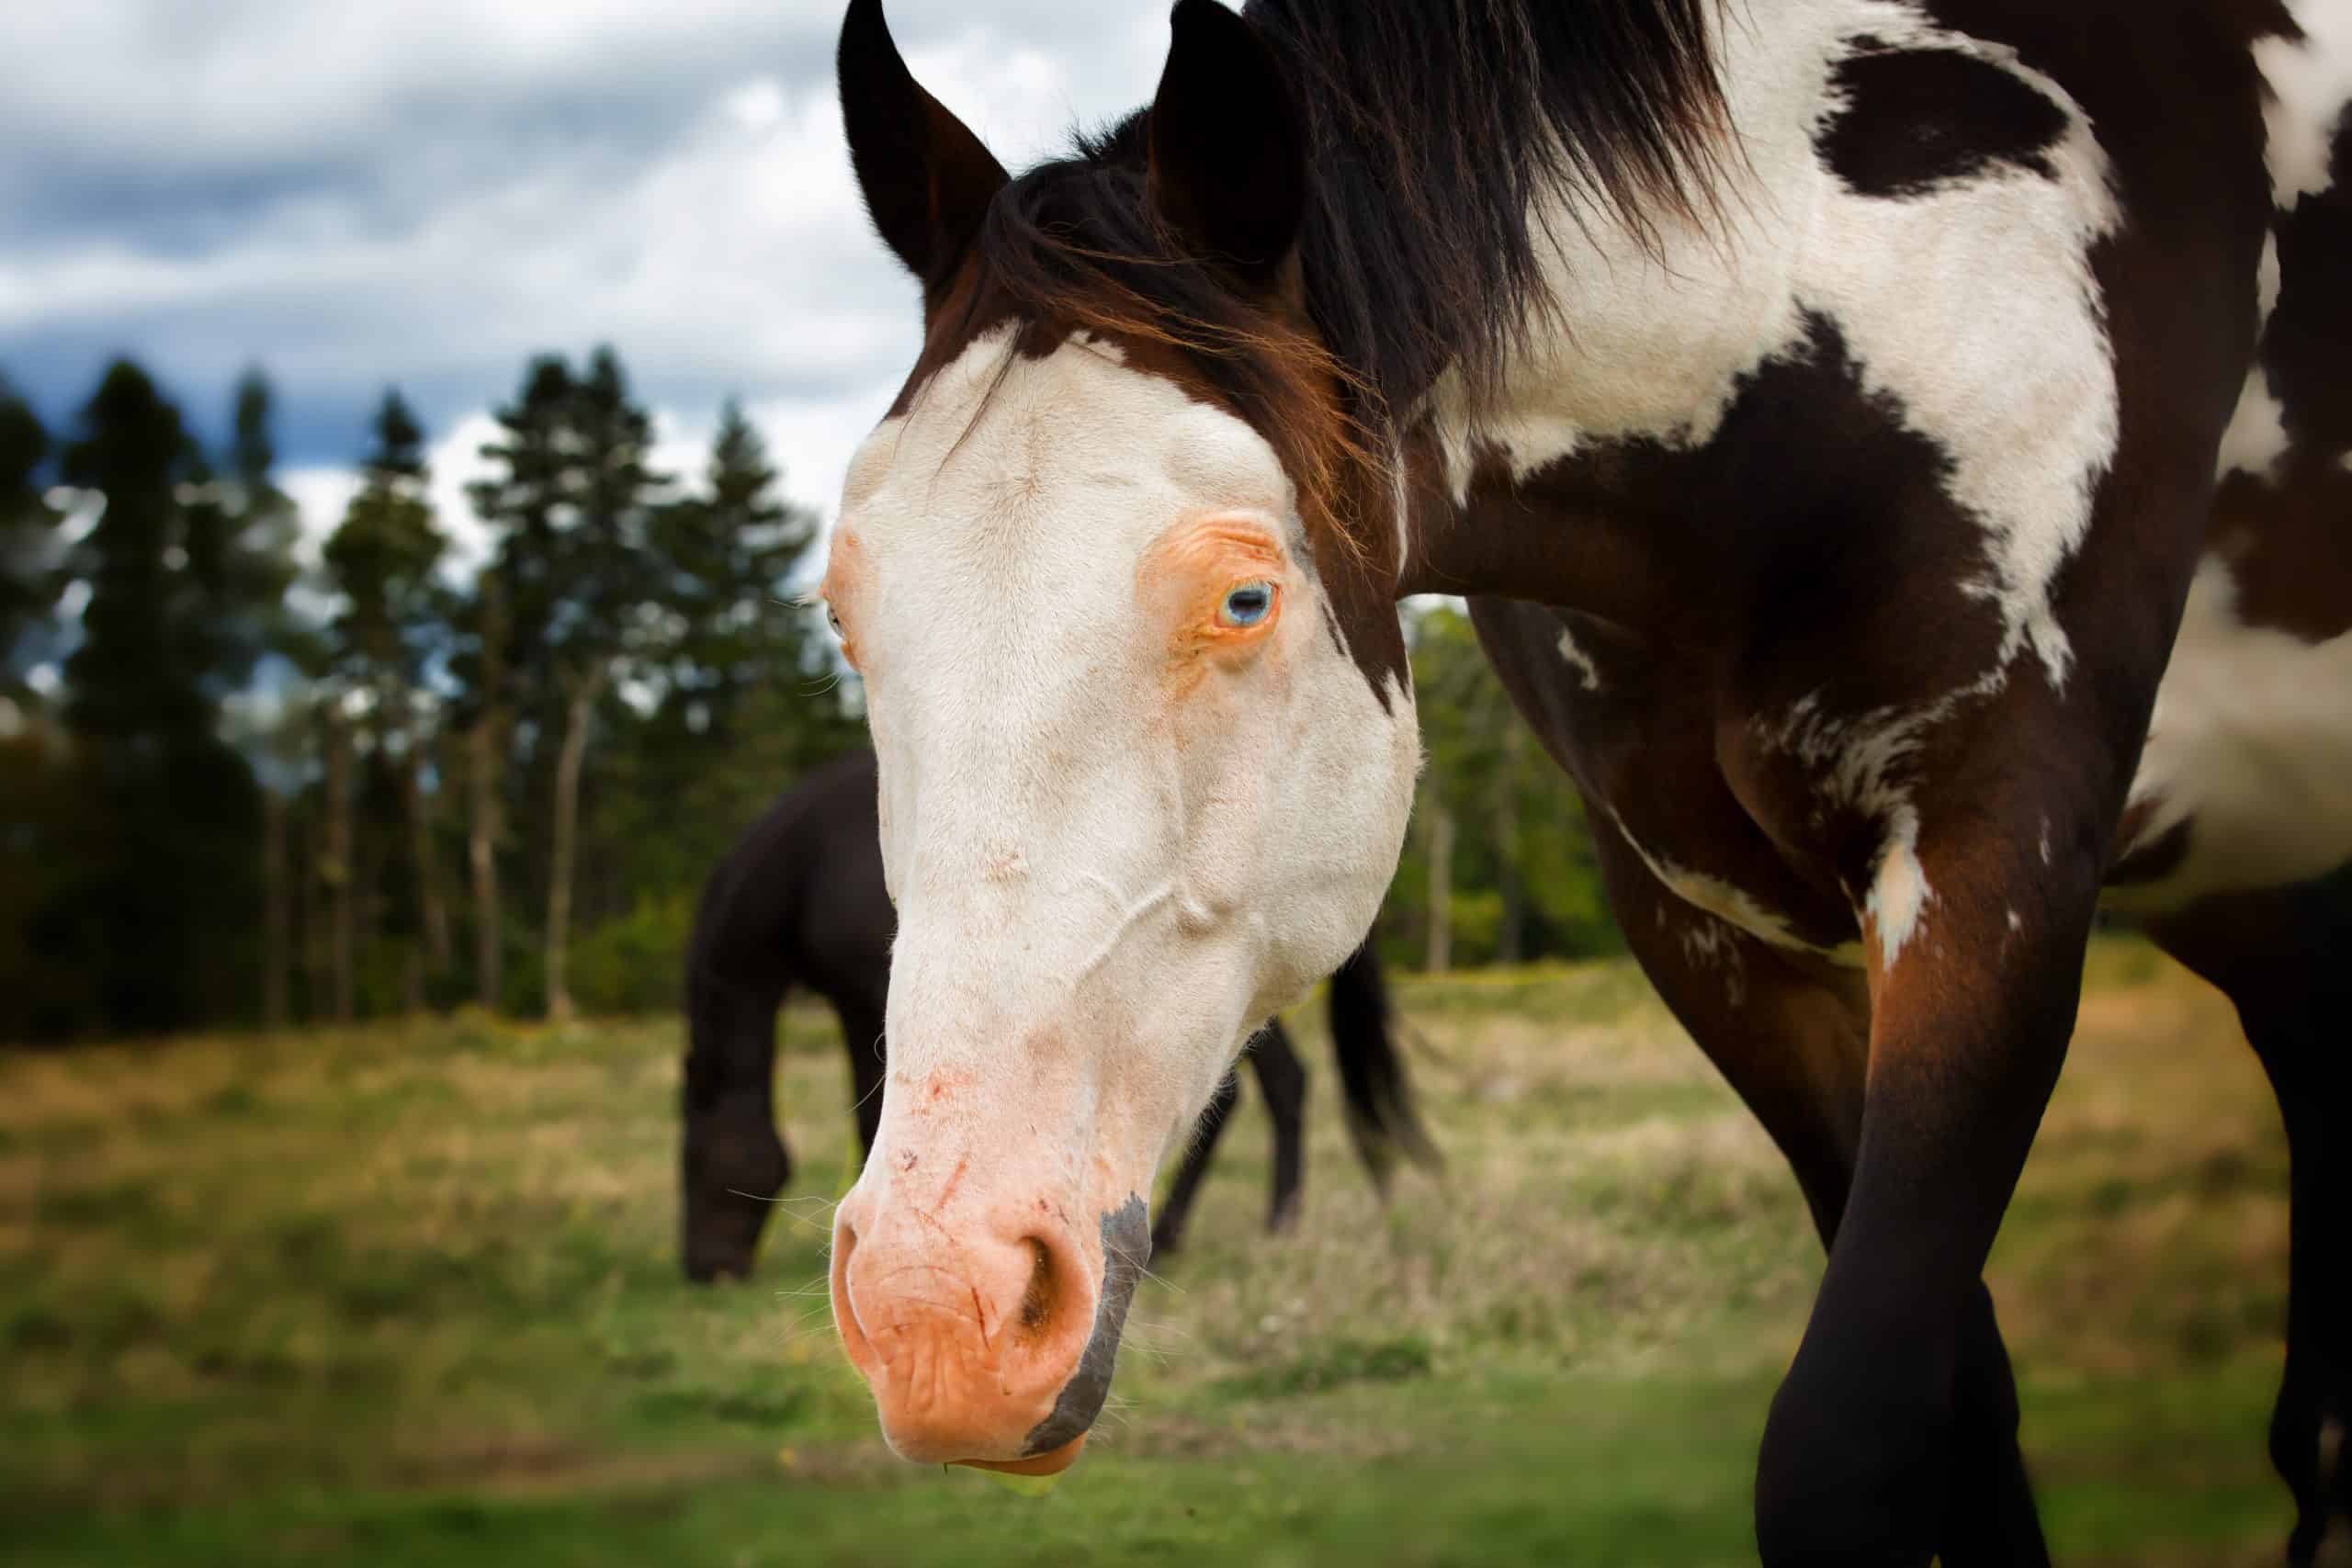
573	502
383	558
256	552
741	704
27	585
167	905
601	594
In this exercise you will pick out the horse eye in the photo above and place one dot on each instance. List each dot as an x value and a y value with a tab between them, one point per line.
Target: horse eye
1247	605
833	619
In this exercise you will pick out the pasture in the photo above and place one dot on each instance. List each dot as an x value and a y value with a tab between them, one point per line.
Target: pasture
411	1295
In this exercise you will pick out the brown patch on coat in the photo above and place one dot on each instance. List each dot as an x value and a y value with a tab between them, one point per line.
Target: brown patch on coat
2287	535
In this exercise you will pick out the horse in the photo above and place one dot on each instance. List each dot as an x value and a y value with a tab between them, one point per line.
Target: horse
1894	453
800	900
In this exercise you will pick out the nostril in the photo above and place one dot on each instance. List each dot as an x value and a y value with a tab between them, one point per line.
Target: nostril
846	1324
1039	1298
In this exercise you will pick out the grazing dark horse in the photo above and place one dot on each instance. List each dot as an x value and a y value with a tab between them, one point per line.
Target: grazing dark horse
1895	452
800	901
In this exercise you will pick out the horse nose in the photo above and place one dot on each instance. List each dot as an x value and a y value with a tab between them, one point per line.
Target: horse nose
981	1344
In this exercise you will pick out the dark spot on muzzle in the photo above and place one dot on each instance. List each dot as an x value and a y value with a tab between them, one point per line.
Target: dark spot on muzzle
1126	1248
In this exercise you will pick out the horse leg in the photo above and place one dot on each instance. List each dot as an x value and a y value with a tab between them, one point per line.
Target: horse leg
1976	972
731	1161
1794	1044
1168	1232
2279	957
1282	1079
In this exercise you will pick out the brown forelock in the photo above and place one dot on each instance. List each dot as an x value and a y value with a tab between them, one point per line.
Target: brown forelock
1257	359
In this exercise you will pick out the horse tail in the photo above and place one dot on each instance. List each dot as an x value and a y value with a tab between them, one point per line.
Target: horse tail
1378	1093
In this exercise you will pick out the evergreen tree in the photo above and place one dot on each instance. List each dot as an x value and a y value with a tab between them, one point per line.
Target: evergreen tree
726	559
255	554
499	661
161	914
573	502
27	585
743	704
382	560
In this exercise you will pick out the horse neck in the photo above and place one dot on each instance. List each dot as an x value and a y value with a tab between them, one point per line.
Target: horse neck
1645	330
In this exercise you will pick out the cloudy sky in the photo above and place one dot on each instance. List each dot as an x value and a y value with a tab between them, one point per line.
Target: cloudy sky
355	193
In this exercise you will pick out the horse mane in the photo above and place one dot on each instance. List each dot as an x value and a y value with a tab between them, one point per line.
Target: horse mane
1435	130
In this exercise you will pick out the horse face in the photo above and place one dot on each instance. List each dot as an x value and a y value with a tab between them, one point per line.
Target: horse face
1136	796
1145	747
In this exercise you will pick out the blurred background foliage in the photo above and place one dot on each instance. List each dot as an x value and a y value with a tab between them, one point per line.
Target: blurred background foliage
246	784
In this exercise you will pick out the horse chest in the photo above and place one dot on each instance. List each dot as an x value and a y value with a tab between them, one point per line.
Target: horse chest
1638	731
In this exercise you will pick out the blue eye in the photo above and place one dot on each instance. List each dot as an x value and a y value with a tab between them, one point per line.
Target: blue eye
1247	605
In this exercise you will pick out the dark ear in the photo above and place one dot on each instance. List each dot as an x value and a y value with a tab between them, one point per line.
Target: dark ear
927	179
1228	162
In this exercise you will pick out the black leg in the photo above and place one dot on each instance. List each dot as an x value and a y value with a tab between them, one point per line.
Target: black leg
1283	1079
1168	1232
1866	1451
731	1161
1990	1521
1794	1044
2311	1427
2281	956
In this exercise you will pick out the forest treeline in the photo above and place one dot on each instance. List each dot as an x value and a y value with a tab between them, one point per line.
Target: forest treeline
246	784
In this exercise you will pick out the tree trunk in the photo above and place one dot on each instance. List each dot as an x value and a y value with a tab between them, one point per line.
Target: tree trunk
1440	954
430	910
309	888
339	870
481	853
276	953
580	707
412	1000
1514	891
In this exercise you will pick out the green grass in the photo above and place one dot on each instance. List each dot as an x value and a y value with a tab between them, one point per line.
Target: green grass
409	1295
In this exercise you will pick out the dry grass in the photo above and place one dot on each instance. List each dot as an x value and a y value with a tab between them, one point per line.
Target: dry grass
237	1273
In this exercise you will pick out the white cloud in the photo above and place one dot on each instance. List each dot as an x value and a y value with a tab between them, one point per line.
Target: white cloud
425	193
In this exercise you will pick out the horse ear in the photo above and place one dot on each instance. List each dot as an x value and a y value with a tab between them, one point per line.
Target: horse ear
1228	162
927	180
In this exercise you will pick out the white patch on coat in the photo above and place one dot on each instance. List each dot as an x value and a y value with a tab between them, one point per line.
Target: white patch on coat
1972	308
1865	763
2017	921
2310	84
1189	864
1712	943
2256	438
1899	893
2252	738
2267	282
1588	672
1735	905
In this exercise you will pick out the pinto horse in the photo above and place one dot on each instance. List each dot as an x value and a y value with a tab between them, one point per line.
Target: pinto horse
1895	451
800	901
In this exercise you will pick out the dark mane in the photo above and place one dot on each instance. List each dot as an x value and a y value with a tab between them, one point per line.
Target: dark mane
1434	127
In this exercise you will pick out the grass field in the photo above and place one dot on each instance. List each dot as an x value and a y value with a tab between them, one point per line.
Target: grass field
410	1295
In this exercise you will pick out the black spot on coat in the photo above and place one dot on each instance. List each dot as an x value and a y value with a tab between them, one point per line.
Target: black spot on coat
1915	121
